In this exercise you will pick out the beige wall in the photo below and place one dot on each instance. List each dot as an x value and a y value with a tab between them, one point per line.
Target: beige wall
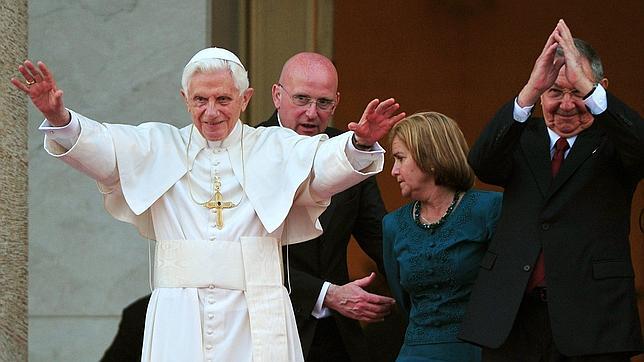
271	32
119	62
13	183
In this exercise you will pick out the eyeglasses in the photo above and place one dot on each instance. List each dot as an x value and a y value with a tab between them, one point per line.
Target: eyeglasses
558	94
323	104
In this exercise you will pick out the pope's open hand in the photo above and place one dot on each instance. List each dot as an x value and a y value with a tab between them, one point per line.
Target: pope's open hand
376	121
39	84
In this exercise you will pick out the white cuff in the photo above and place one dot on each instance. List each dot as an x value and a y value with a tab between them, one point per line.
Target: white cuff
521	114
65	136
597	102
320	311
362	159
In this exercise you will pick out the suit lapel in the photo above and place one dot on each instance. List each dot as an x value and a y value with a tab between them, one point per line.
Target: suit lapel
585	145
536	149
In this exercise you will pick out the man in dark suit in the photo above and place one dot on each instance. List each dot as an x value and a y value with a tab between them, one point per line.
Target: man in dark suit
557	282
327	306
128	341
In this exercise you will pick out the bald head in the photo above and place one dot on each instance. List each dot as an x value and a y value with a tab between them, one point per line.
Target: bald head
303	66
304	76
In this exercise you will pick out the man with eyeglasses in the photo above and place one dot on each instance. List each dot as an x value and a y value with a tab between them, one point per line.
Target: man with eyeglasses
327	306
557	283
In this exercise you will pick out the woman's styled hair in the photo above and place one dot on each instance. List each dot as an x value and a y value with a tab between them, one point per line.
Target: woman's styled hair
438	147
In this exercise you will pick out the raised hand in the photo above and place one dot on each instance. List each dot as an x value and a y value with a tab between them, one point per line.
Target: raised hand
40	85
544	73
352	301
573	69
376	121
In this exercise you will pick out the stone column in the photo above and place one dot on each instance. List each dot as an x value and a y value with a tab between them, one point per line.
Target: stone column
13	185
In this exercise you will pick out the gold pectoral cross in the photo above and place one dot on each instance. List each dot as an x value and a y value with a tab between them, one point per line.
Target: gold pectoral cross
218	204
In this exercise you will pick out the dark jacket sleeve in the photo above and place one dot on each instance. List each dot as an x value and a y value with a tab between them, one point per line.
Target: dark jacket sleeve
625	128
304	288
128	342
367	229
491	154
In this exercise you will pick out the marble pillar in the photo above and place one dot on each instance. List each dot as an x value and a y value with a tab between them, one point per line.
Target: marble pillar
13	185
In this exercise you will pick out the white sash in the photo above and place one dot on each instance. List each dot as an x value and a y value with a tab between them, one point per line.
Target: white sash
198	264
252	265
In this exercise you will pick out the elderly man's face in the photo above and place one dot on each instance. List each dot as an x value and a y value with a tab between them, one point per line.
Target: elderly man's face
318	87
563	107
214	103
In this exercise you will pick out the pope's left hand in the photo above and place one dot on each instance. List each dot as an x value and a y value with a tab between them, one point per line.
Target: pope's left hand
376	121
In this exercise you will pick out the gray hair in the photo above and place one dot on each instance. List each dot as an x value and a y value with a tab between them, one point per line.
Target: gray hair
588	52
239	74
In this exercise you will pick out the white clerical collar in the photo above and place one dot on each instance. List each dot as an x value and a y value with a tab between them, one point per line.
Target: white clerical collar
198	142
230	140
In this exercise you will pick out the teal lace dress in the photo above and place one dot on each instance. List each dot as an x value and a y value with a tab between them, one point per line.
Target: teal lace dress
431	274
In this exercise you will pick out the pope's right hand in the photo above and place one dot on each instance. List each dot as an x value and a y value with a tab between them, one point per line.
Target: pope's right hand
40	86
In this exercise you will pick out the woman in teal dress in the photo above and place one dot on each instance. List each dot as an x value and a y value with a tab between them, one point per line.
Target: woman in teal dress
433	245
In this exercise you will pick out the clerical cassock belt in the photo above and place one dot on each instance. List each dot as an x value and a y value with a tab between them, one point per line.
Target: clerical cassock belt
252	265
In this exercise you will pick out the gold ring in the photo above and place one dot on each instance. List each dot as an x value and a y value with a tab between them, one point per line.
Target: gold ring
30	82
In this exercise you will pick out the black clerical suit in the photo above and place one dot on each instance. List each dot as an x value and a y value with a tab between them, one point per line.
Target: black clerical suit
128	342
357	211
581	221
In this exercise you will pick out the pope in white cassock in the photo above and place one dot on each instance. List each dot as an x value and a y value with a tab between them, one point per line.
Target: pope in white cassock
220	198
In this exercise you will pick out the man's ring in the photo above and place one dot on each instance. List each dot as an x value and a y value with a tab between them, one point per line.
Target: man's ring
30	82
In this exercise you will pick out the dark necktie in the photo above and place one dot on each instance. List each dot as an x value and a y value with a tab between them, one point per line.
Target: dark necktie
557	159
538	277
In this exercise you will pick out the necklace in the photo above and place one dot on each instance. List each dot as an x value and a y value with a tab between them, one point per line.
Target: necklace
217	200
434	225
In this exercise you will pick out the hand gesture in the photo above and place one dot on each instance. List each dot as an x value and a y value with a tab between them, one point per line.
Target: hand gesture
352	301
544	73
40	86
376	121
573	69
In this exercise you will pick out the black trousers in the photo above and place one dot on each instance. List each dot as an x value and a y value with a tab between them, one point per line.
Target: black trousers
531	338
327	343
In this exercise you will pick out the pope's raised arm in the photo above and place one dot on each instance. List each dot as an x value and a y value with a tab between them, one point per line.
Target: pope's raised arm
365	157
